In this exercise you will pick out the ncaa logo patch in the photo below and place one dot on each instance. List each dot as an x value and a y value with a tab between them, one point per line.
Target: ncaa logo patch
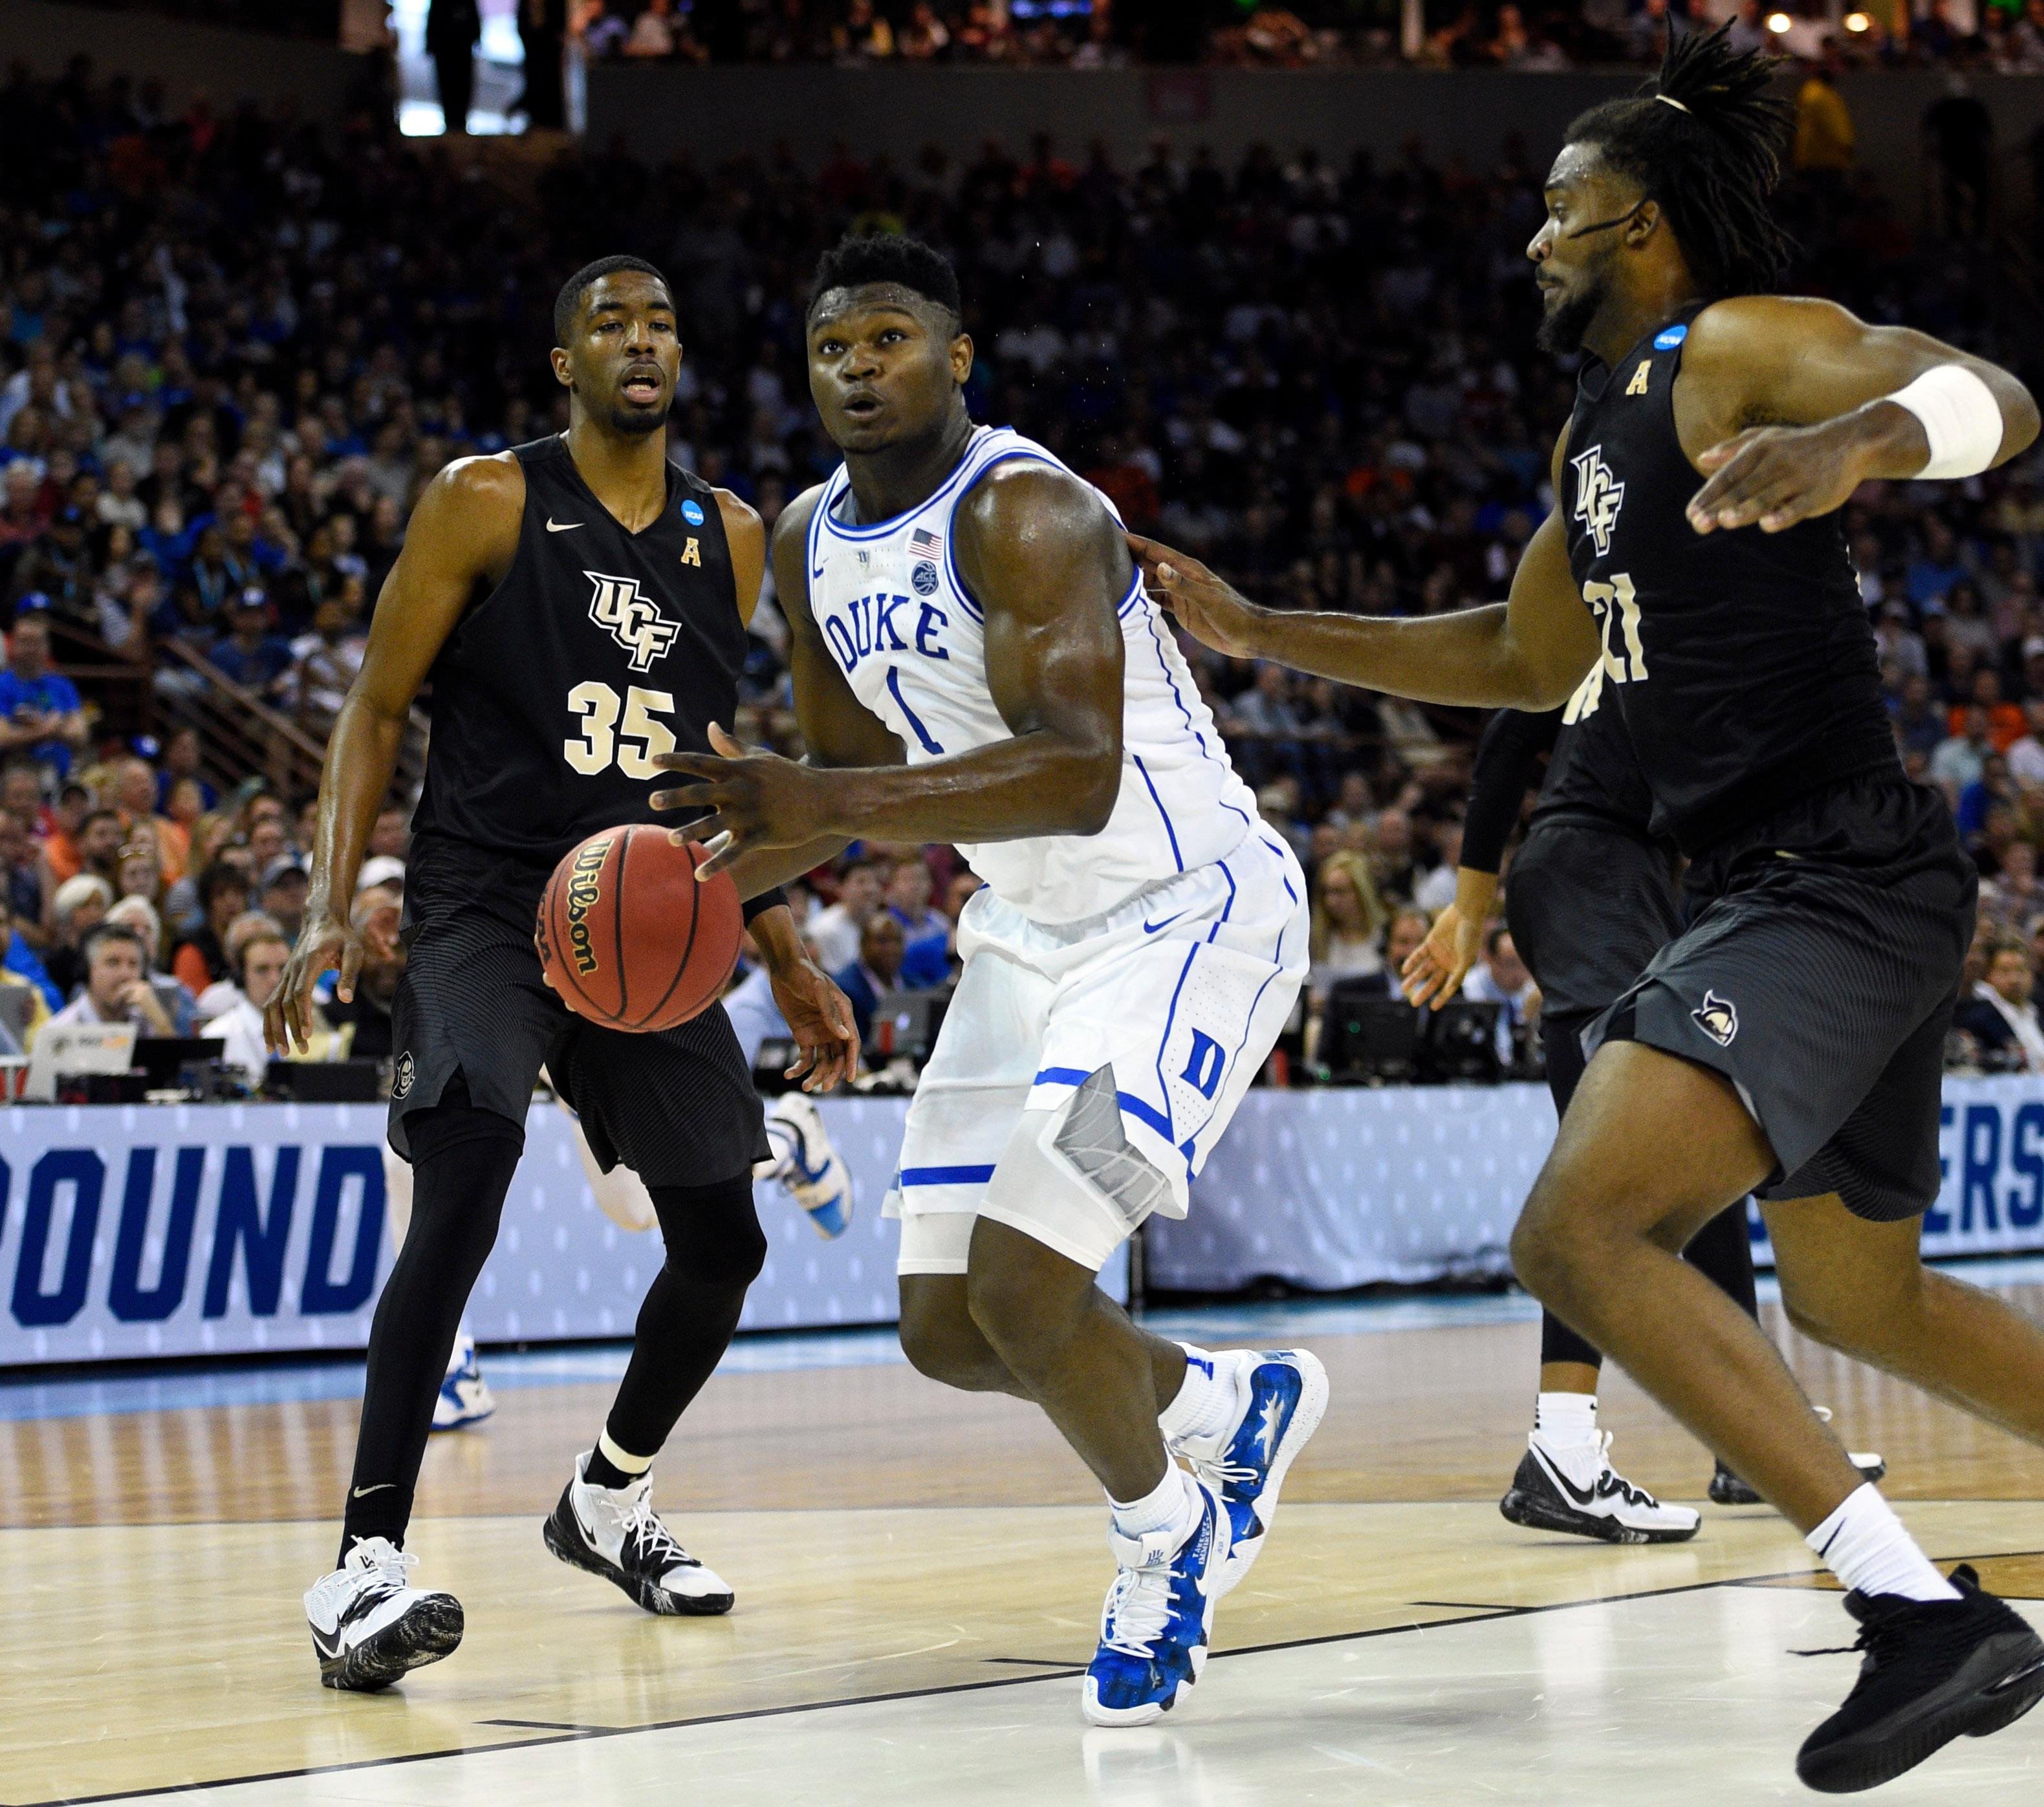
402	1075
922	580
1717	1018
1668	337
692	513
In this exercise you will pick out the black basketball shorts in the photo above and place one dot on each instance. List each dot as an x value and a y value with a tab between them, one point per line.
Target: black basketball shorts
1589	905
1819	974
678	1107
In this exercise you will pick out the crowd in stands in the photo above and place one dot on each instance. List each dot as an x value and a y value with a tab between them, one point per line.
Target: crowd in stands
232	350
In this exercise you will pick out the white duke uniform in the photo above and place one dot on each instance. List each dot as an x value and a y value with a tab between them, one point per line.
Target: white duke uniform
1169	947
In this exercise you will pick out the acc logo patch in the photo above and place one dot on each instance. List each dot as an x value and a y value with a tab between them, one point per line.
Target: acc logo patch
1717	1018
922	580
692	513
402	1075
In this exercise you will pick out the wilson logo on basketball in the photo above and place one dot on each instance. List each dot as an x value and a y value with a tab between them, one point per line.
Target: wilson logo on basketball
633	618
583	891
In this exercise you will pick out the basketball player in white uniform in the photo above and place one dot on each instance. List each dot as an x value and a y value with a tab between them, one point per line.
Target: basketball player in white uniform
975	660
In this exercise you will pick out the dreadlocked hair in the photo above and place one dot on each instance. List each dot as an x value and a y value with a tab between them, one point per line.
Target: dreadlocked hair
1705	137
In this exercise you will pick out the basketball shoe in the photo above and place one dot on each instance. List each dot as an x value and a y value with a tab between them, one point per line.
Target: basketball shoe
465	1397
1932	1671
1728	1489
1572	1487
1281	1396
370	1625
1153	1627
807	1165
615	1532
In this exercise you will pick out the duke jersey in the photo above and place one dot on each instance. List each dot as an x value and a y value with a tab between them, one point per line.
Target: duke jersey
1743	663
599	650
909	637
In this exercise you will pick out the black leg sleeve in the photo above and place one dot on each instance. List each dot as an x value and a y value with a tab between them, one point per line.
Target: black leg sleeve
1561	1041
462	1161
1723	1251
715	1250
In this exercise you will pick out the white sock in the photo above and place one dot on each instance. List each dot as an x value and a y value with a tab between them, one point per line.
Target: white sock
635	1465
1205	1403
1170	1506
1565	1419
1867	1548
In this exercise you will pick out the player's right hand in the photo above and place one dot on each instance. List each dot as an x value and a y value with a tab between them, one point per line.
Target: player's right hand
323	946
1434	971
1207	607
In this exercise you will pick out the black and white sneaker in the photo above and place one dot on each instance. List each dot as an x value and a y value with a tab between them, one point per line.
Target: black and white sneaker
1728	1489
370	1627
1933	1671
615	1532
1572	1487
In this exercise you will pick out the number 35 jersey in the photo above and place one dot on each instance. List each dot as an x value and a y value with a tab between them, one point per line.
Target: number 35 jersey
598	650
1743	663
910	638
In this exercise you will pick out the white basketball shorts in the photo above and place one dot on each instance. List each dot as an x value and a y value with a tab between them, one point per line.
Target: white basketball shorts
1170	1002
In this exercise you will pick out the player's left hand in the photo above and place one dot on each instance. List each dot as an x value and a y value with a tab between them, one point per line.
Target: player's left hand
1774	476
753	799
1434	971
820	1017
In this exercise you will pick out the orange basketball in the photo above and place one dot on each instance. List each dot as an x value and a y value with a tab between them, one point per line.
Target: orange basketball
629	938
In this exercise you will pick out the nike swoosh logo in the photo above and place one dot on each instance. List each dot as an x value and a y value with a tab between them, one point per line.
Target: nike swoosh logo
2022	1675
814	575
554	526
363	1493
1584	1497
1152	928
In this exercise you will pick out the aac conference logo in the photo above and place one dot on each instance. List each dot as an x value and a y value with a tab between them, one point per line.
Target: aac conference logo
207	1230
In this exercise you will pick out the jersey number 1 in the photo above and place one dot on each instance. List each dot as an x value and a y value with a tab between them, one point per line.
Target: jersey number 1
633	743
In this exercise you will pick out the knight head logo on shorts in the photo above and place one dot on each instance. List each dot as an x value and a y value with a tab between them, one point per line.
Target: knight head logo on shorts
1599	496
402	1075
633	618
1717	1018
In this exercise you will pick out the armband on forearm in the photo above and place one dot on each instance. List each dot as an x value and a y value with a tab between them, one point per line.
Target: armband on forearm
764	901
1960	417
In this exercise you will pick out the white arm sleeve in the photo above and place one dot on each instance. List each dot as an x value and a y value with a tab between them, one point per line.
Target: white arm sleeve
1961	418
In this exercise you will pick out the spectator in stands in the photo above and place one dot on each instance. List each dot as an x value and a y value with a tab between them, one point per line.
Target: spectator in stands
1824	143
871	976
1500	978
224	994
365	1022
2001	1018
116	983
268	841
2026	755
1345	939
284	891
1962	754
23	962
138	875
181	763
926	937
239	1028
135	802
68	816
250	655
140	914
100	838
35	1005
21	874
201	958
391	837
835	932
78	907
40	710
328	659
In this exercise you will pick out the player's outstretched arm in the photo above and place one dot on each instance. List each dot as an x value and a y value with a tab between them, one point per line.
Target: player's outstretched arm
1788	404
464	530
1045	562
1529	652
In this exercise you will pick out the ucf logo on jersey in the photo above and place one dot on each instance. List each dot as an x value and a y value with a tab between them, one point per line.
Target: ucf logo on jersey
1599	496
633	618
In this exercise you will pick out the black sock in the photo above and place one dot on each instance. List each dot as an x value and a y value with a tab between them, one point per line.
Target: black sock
715	1248
463	1160
599	1470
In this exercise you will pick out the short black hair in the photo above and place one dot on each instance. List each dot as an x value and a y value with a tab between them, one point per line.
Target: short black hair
93	815
221	876
893	258
100	934
569	298
1706	137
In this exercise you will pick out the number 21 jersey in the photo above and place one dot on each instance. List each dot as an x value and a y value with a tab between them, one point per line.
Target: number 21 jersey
1743	663
599	650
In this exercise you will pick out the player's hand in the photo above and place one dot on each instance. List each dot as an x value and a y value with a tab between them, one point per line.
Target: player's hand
752	798
1434	971
1207	607
820	1016
1774	476
323	946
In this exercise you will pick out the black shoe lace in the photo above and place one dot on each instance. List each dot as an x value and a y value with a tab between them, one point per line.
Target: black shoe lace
1879	1639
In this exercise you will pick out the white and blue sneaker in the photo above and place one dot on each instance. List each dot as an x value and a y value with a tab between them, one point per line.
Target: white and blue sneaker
465	1397
808	1166
1281	1396
1154	1628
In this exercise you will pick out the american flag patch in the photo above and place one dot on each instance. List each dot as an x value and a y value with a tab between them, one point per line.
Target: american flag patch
924	544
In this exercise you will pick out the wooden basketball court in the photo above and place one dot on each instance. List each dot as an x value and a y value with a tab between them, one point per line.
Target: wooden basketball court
919	1576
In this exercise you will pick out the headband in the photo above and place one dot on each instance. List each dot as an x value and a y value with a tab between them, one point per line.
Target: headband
1670	99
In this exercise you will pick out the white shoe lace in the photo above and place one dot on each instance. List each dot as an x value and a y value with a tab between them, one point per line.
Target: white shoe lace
1138	1608
639	1520
386	1570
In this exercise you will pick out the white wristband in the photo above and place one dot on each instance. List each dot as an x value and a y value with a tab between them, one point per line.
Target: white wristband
1961	418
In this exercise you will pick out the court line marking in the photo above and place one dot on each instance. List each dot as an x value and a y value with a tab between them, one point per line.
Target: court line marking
535	1726
899	1694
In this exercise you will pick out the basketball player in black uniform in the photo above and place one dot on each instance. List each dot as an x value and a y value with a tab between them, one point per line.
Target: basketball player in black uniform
1591	900
1789	1040
580	607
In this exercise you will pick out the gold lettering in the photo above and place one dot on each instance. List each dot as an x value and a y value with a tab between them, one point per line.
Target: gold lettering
1638	385
692	556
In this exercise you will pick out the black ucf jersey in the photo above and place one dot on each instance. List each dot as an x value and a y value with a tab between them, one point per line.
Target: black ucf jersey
599	651
1743	663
